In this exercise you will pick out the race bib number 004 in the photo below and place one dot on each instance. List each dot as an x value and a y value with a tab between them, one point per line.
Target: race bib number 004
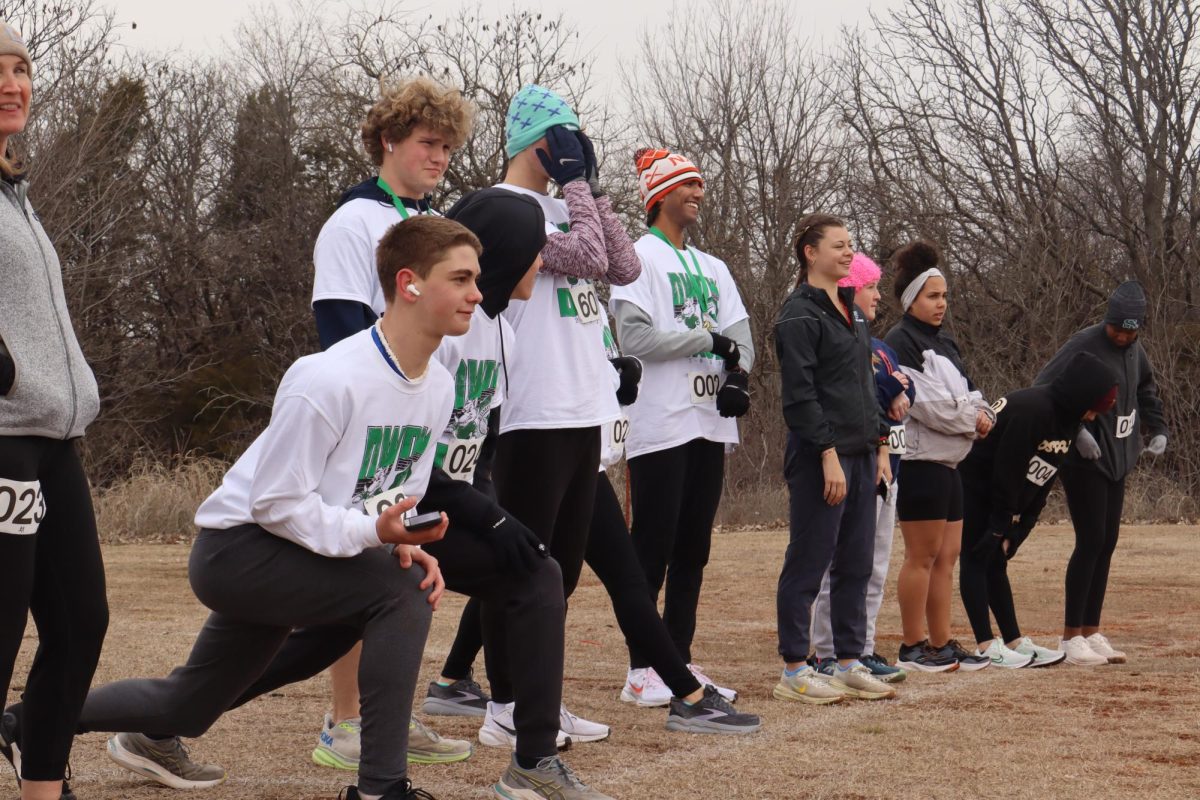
22	506
461	457
703	387
376	505
1040	471
897	443
587	304
1125	425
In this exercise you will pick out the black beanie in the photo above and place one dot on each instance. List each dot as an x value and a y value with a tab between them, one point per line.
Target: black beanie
1127	307
512	229
1084	381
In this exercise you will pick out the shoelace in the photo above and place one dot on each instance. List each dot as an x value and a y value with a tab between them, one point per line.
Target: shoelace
652	680
554	763
713	699
433	737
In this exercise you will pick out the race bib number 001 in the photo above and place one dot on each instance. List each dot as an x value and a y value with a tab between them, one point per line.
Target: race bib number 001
461	457
587	304
22	506
1125	425
376	505
1040	471
703	387
897	443
620	432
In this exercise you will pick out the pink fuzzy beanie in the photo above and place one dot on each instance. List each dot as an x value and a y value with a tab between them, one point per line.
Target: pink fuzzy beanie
862	271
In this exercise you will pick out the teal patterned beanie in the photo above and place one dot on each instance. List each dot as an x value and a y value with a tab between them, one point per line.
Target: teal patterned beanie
533	111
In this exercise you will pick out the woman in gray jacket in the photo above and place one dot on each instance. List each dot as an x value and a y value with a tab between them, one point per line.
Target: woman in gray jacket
48	542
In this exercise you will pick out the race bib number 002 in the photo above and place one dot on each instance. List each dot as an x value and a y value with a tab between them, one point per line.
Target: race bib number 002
1125	425
897	443
1040	471
376	505
703	387
461	457
22	506
587	304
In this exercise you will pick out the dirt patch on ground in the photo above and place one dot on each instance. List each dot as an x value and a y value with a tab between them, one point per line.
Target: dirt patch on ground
1062	732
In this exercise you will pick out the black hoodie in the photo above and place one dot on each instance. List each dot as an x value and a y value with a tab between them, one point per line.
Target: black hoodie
1015	466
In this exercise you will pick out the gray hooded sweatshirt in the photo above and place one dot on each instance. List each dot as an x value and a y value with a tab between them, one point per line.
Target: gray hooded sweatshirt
54	392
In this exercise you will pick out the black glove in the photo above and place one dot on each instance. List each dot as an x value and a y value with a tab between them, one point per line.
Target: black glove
516	547
630	369
986	548
565	162
727	349
593	166
733	399
8	373
1015	537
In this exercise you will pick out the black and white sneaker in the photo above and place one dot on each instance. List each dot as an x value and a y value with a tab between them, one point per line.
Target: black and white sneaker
968	662
711	714
9	728
921	656
401	791
463	698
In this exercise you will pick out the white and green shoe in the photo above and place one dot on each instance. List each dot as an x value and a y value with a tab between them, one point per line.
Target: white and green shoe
1042	656
1005	658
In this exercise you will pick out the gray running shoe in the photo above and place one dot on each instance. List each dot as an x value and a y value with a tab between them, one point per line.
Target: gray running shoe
550	780
463	698
712	714
426	747
167	762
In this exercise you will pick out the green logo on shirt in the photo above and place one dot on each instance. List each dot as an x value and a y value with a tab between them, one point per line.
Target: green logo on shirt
389	450
694	299
474	389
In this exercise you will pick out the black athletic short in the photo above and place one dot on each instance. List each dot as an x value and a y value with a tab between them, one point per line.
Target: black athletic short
928	491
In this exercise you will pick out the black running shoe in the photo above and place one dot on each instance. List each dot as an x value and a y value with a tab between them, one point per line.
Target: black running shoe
400	791
711	714
463	698
968	662
925	658
9	728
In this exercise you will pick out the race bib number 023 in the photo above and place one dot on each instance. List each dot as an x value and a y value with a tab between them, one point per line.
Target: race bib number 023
461	457
22	506
587	304
704	386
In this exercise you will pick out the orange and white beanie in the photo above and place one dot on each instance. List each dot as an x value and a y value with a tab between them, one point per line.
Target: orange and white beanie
660	172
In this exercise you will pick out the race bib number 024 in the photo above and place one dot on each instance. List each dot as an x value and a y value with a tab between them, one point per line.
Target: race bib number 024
461	457
703	387
22	506
587	304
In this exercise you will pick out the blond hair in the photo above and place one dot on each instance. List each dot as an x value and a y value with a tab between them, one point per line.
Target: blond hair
419	101
9	167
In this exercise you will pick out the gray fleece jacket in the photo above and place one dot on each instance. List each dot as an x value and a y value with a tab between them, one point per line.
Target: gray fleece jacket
54	392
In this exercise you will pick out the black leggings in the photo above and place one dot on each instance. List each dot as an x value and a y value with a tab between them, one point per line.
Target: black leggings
1095	503
58	575
983	583
675	497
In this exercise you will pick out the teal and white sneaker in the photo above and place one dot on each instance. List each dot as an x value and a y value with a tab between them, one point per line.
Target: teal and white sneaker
881	670
167	762
1042	656
1004	658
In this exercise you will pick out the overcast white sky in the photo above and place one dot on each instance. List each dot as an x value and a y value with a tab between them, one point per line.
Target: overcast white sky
608	28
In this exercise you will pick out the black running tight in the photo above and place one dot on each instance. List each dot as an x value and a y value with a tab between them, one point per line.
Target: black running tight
57	574
1095	503
983	583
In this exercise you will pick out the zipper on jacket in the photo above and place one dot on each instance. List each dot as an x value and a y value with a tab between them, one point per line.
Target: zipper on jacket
22	194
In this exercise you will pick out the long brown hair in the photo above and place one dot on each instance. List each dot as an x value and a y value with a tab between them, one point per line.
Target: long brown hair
812	231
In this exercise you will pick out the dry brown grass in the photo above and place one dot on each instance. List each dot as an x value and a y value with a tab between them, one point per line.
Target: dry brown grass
1058	733
156	503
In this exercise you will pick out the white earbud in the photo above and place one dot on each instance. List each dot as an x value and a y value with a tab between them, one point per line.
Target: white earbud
390	148
414	291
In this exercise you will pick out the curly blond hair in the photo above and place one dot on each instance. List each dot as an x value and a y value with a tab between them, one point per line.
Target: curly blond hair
419	101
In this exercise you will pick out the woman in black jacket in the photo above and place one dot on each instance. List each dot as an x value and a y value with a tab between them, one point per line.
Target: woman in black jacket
1006	479
836	455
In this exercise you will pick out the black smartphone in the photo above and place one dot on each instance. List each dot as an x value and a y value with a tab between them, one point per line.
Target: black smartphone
422	521
882	490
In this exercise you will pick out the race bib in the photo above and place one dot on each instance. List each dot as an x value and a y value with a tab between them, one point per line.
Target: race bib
22	506
587	304
703	387
461	457
376	505
1040	471
897	443
1125	425
617	436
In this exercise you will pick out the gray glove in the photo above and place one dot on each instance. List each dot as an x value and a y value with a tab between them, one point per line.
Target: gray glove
1085	443
1158	445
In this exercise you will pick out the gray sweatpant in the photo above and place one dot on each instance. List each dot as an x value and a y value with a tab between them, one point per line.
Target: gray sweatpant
822	624
259	587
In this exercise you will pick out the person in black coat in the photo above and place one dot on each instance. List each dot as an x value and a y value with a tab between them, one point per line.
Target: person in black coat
1006	480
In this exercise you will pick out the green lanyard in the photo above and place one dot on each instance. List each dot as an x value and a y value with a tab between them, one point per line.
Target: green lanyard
701	282
396	201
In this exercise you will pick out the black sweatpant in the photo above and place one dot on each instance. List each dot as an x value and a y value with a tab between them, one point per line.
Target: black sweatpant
675	497
983	583
57	574
822	537
1095	503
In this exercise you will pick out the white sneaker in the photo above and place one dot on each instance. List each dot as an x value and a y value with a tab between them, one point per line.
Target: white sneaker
1100	646
807	686
1079	652
579	729
1042	656
1004	658
644	687
729	694
498	729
